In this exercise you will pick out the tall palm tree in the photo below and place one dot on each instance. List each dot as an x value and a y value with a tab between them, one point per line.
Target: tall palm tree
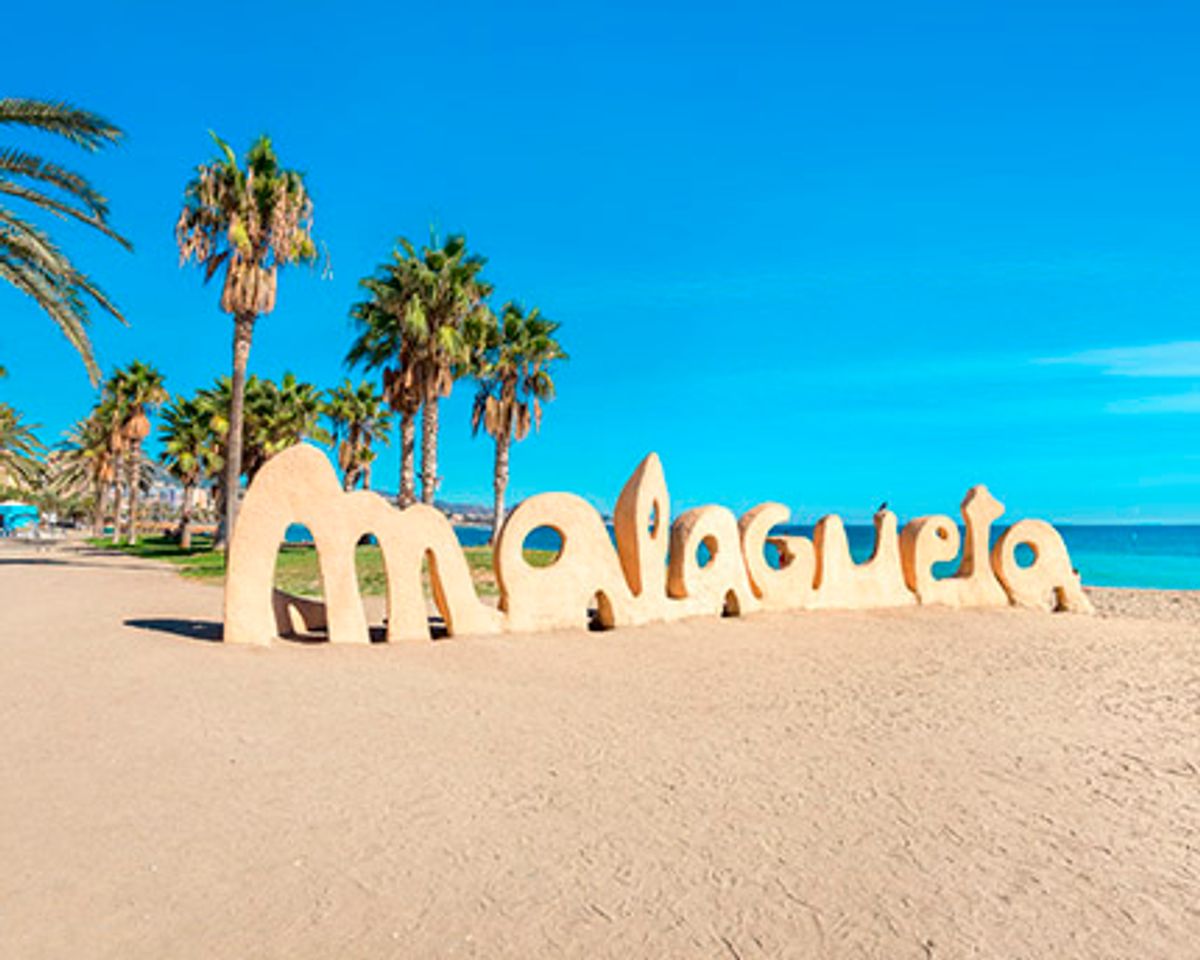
252	222
136	390
187	453
29	258
421	300
383	343
20	451
511	361
359	419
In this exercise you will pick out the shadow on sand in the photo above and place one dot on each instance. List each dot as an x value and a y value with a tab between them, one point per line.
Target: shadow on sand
210	631
206	630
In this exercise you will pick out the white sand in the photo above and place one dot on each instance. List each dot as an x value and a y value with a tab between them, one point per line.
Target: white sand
915	784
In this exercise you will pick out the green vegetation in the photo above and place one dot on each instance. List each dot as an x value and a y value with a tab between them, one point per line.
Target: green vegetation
296	568
426	321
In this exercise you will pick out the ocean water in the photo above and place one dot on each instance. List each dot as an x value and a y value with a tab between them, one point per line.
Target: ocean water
1158	556
1151	555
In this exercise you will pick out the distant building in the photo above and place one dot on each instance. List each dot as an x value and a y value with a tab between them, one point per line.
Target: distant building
166	493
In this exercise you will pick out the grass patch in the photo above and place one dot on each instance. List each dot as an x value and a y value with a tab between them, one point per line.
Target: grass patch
296	569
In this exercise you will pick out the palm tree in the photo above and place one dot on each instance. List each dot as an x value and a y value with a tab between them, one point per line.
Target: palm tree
29	258
83	466
511	362
20	451
187	453
276	416
413	326
213	403
253	222
382	343
109	415
359	419
136	389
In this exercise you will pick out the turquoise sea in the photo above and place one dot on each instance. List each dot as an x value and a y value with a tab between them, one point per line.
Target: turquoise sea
1148	555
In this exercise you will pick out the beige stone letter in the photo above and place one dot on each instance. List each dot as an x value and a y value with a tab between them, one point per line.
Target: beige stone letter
929	540
844	584
924	542
409	536
296	486
300	486
548	598
721	584
791	586
1050	583
641	523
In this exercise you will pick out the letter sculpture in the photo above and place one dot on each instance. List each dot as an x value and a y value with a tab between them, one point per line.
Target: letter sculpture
653	573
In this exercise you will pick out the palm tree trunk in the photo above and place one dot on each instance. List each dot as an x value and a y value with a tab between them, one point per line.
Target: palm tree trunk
499	485
408	460
116	500
134	458
243	331
218	505
98	510
429	439
185	519
366	475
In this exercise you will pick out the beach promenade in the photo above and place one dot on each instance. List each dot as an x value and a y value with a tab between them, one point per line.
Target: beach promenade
918	783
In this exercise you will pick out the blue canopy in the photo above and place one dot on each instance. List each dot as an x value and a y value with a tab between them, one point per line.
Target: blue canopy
14	516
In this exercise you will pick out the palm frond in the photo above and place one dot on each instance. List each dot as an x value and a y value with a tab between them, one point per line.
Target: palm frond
17	163
29	260
21	451
56	297
64	210
82	127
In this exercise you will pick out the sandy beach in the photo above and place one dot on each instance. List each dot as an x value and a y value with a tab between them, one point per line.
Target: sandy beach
918	783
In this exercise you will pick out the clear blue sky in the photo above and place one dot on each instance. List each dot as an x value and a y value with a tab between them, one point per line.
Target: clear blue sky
821	253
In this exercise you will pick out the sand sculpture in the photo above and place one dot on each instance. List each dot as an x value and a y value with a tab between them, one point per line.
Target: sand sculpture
654	572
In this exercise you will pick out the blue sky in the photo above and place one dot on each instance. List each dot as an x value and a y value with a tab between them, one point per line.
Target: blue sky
822	254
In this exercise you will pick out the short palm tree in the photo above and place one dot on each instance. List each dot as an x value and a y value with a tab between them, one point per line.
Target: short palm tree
512	358
135	390
29	258
21	464
109	416
252	223
82	466
360	419
187	453
421	301
276	416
